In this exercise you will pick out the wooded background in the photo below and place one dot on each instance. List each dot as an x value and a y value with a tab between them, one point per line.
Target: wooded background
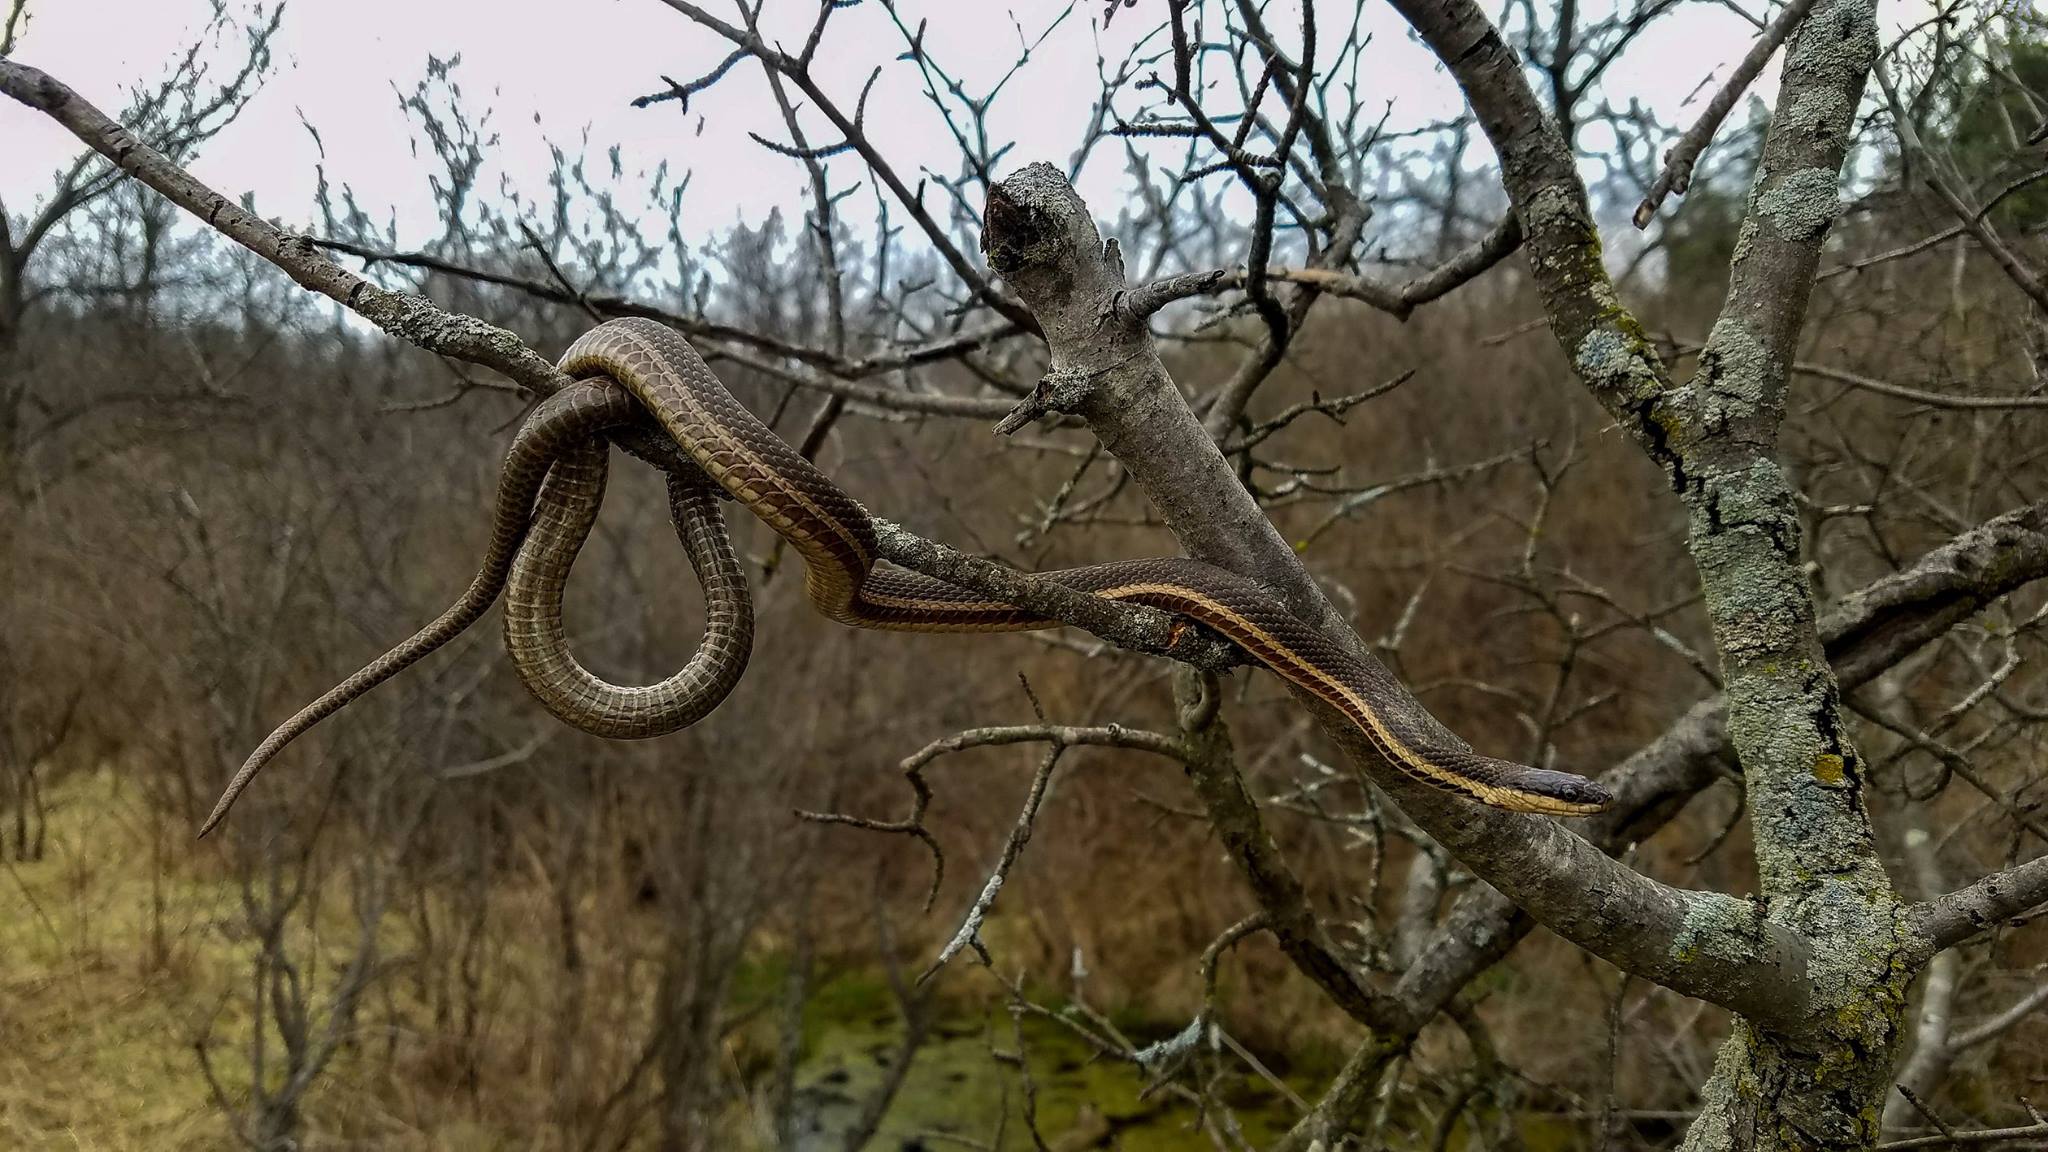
445	920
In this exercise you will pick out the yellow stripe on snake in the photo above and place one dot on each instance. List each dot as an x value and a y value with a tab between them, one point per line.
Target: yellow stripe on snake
553	482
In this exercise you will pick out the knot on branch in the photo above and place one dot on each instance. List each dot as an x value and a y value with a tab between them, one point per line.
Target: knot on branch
1060	390
1039	237
1028	221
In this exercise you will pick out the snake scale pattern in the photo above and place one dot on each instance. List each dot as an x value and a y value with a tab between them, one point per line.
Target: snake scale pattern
630	369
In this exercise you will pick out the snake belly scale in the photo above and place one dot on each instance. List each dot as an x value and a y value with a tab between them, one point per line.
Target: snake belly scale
630	369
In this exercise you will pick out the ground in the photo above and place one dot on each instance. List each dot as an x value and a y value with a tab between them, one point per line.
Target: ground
111	969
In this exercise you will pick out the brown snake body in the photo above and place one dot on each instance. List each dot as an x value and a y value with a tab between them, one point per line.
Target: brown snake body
540	523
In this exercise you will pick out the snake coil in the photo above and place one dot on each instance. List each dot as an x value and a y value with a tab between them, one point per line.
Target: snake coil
628	369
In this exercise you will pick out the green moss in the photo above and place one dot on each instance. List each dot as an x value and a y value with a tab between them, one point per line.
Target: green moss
757	981
957	1088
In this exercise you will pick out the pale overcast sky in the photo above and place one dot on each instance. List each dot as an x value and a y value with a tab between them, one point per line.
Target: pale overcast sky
576	66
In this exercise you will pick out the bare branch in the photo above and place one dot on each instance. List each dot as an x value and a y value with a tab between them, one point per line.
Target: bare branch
1954	918
1678	163
697	327
798	72
970	928
1602	337
2002	1022
2024	276
1212	769
1966	1139
420	322
1398	300
1041	240
1897	391
10	29
409	317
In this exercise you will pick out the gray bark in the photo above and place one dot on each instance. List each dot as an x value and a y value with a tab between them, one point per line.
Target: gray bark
1041	240
1815	850
1813	1079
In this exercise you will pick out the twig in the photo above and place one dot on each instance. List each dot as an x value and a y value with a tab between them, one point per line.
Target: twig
913	766
1679	162
1965	1139
1949	233
2003	1022
408	316
1887	388
1020	834
696	327
2024	277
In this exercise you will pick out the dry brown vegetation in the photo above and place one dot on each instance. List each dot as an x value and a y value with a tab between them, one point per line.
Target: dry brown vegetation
444	920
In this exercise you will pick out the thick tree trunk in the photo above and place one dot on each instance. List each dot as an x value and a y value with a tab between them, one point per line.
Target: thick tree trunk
1821	1085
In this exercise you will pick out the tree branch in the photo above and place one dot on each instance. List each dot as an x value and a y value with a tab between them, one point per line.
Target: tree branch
1679	162
1954	918
697	327
1972	220
1866	632
409	317
420	322
1040	238
798	73
1398	300
1603	339
1212	769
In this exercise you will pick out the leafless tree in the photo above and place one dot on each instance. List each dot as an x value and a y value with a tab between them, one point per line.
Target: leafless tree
1862	554
54	250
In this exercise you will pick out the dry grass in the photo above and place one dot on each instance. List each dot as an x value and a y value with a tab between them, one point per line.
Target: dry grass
94	1048
114	969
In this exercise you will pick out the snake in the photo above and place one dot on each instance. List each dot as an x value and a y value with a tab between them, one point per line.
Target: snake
633	369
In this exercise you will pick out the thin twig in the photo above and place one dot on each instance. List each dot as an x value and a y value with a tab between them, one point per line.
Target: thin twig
1679	162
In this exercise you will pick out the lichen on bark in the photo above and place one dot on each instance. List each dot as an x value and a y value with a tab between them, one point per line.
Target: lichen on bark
1802	205
1819	1083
